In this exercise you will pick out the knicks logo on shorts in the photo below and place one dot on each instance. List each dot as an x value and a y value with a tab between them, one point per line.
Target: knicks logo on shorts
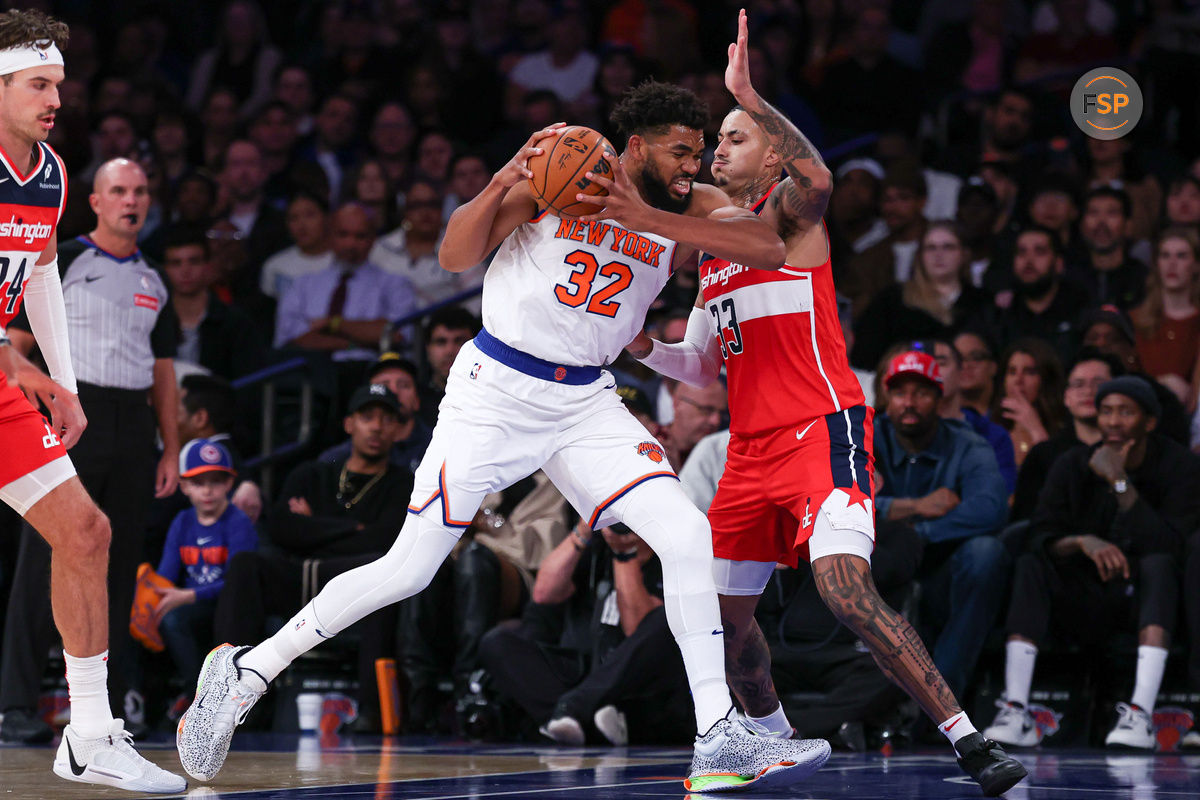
652	451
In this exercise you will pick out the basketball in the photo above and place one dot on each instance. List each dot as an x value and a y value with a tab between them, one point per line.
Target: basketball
558	173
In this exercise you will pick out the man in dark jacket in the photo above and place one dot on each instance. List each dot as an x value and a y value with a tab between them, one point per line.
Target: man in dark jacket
329	518
1107	537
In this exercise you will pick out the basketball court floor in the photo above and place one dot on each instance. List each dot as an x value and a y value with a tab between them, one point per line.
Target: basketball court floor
291	767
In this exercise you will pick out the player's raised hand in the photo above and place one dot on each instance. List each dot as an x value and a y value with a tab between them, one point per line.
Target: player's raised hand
517	168
622	203
737	72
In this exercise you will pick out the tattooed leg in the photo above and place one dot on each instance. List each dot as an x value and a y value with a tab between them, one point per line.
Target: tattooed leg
747	657
845	584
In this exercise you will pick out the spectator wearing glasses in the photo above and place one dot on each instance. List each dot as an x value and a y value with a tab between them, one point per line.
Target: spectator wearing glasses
938	297
698	412
411	250
951	407
1091	369
977	381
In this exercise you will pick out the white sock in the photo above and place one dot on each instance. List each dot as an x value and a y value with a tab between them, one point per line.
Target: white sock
957	727
776	723
300	634
1152	661
87	687
1019	661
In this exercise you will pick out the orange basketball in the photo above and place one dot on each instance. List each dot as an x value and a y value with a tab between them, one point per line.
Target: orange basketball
558	173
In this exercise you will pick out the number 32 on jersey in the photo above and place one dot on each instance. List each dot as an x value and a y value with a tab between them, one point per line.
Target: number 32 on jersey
578	289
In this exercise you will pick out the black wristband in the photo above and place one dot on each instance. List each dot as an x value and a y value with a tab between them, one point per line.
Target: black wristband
627	556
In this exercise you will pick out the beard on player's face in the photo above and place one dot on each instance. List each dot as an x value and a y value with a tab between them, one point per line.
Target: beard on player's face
659	196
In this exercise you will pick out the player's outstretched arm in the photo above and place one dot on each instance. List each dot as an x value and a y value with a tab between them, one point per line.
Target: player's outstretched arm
478	226
712	222
696	360
802	200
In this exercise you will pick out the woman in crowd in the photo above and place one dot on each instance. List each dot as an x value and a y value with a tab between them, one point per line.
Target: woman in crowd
1167	323
936	300
1030	405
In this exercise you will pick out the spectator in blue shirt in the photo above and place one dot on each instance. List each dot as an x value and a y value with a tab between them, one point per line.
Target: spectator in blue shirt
200	543
943	479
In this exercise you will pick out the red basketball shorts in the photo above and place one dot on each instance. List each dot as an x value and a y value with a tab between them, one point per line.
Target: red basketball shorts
775	485
26	441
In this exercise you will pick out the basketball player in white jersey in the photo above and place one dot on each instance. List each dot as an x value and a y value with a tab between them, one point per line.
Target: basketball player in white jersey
36	475
561	299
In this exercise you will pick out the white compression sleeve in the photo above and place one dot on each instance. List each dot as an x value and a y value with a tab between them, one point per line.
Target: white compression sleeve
48	318
696	360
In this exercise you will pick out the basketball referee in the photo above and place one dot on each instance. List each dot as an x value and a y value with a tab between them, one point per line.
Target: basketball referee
123	336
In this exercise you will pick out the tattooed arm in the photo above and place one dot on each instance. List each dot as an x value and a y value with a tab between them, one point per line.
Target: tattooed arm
799	202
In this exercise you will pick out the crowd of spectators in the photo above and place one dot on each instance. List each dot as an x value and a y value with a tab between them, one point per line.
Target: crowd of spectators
302	159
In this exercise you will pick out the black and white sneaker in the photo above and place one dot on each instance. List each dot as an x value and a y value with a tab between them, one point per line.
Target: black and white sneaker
735	754
110	760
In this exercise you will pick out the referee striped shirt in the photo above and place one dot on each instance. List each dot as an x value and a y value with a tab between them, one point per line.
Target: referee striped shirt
119	318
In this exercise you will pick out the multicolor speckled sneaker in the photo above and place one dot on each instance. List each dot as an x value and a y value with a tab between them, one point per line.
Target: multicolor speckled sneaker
222	702
733	756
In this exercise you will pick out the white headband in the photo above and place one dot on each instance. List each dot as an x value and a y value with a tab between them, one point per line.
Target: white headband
15	59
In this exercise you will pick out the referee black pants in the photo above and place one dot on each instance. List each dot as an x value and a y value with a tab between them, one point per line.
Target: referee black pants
115	458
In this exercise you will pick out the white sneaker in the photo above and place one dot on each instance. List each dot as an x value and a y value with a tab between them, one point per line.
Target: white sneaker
732	756
1134	729
564	730
110	760
612	725
1013	726
1191	741
222	703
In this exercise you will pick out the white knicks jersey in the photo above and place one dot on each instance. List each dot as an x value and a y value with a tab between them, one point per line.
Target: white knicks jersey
571	292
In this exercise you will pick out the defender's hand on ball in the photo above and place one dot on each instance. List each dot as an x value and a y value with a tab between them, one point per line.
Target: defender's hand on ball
622	203
517	168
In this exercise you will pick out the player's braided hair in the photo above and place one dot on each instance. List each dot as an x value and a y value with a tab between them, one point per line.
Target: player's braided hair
653	107
30	27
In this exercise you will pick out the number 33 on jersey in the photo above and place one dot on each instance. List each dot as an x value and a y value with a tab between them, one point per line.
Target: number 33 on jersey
565	285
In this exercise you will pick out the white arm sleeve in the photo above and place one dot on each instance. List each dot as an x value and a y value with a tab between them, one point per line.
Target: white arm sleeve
48	319
696	360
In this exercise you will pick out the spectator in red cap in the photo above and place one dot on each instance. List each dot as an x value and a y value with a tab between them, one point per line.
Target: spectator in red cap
926	467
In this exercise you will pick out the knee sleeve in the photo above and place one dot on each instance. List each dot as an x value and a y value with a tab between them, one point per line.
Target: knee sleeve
660	513
404	570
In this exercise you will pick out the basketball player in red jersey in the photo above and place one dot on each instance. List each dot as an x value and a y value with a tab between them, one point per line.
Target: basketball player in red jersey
799	475
36	475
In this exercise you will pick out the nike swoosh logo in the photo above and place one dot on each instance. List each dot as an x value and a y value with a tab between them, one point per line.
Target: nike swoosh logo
2	180
75	765
204	541
91	278
951	725
800	435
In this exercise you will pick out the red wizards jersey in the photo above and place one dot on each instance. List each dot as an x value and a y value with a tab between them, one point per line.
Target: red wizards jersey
30	207
784	352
